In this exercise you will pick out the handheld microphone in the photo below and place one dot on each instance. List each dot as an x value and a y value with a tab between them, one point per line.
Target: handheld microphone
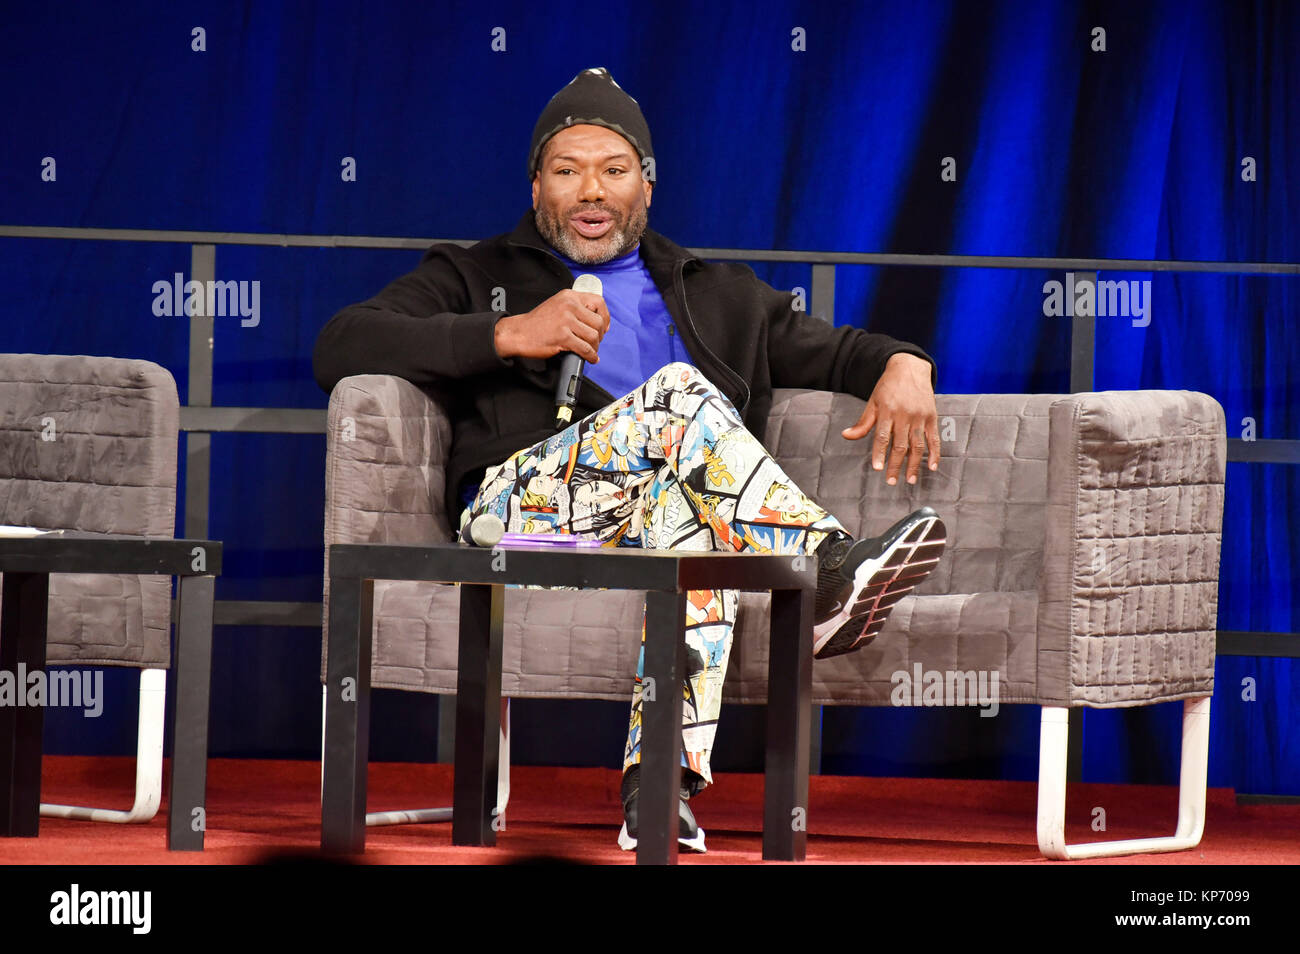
566	391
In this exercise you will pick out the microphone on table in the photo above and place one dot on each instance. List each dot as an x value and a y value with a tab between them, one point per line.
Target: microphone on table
485	530
566	391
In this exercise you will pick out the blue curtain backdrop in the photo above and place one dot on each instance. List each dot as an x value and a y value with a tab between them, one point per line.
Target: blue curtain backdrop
1136	151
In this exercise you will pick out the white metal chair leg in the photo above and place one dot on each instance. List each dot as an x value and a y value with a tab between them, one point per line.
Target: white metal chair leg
324	698
148	760
422	815
1053	742
503	760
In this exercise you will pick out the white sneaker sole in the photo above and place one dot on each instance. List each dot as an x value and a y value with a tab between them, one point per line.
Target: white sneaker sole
628	843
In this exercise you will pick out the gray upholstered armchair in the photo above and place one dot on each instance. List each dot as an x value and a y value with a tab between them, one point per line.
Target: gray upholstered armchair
1082	565
89	443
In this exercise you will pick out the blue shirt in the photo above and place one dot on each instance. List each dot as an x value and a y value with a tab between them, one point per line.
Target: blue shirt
641	338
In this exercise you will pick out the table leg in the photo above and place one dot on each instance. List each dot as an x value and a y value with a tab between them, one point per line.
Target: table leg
661	728
192	662
347	715
789	721
474	818
22	652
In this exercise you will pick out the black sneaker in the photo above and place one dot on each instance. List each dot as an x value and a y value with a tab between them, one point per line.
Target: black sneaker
689	834
858	583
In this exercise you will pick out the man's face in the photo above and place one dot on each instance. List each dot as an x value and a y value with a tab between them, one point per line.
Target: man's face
589	195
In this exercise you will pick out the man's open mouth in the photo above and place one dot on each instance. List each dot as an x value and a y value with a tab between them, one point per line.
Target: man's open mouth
592	225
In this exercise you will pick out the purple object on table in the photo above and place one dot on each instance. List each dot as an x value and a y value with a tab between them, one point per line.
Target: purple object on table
559	540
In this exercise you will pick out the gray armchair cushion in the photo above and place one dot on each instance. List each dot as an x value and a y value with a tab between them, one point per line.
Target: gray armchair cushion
975	612
109	466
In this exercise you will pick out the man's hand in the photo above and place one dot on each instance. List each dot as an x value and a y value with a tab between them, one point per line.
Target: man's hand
903	413
567	321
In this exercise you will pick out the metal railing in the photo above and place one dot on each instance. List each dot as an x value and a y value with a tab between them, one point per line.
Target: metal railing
199	419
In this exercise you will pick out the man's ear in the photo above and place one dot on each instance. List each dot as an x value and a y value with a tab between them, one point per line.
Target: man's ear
649	188
537	188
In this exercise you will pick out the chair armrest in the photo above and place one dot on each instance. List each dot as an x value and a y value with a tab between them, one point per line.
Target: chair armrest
386	449
1129	592
387	444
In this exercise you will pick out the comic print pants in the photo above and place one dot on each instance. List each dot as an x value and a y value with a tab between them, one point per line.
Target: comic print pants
669	466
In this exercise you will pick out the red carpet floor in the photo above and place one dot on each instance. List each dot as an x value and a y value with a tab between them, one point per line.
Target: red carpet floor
258	809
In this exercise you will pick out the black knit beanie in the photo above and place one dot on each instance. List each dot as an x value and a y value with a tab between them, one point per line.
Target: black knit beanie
591	98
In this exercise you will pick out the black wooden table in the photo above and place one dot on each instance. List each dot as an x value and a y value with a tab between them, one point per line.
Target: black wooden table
27	564
484	574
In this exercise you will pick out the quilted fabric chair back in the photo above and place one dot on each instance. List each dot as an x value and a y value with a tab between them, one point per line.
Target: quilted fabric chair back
991	485
89	443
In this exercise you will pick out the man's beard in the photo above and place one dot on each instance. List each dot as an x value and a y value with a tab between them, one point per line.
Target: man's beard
621	238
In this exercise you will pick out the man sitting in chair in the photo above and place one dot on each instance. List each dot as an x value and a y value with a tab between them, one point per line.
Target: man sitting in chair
681	359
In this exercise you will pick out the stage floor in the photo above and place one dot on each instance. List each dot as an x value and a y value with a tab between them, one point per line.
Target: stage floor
270	810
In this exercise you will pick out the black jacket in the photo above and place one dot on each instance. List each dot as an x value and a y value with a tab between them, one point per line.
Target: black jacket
435	328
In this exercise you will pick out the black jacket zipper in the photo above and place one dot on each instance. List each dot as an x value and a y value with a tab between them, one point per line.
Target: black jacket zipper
680	284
